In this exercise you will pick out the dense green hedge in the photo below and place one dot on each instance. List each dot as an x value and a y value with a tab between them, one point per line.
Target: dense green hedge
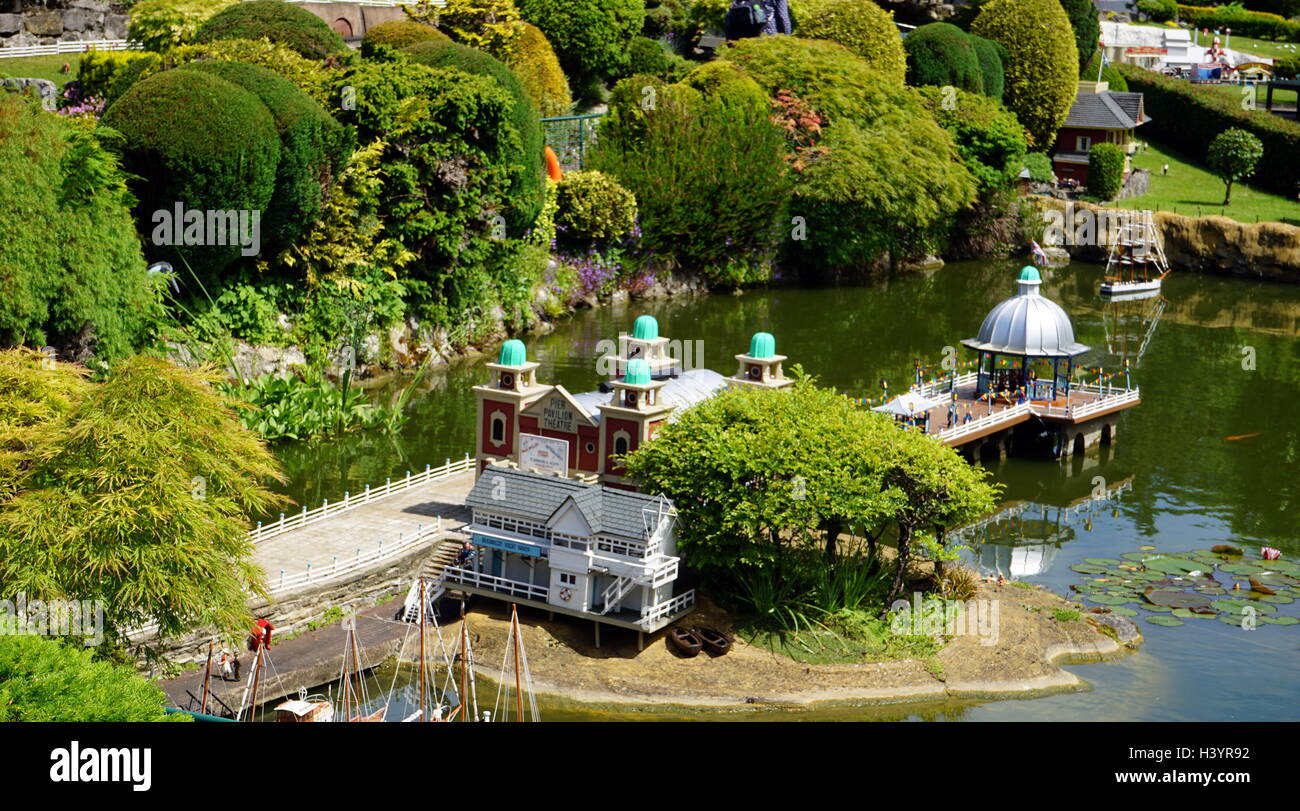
196	139
71	271
534	61
942	54
277	21
647	56
398	34
864	28
988	135
593	206
1188	116
992	57
1105	171
528	188
98	70
590	37
1243	23
313	149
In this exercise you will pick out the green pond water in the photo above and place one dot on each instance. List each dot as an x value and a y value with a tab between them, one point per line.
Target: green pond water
1184	485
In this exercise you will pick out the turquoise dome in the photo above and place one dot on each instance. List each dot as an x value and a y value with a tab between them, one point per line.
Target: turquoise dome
513	353
762	345
1030	274
645	328
638	371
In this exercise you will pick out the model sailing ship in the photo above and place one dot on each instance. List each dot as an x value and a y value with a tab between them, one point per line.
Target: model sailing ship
1136	264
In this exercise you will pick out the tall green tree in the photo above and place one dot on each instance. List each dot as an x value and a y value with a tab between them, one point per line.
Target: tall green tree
1233	155
1086	25
1042	67
140	496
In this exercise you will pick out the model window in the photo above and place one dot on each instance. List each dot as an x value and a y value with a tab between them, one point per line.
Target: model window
620	446
755	372
591	447
498	429
507	381
568	579
630	399
1082	143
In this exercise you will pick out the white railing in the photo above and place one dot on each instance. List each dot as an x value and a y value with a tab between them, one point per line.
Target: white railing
980	423
679	603
517	588
941	386
615	592
1105	401
337	569
68	47
349	501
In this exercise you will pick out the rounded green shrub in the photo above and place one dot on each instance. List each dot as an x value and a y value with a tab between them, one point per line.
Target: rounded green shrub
591	38
308	75
864	28
839	84
726	82
941	54
277	21
199	141
313	148
98	70
988	136
1042	62
1105	171
71	271
527	189
129	74
991	57
397	34
648	57
534	61
593	206
1040	167
161	24
1112	77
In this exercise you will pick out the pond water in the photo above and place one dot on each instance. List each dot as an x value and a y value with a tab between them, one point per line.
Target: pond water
1185	485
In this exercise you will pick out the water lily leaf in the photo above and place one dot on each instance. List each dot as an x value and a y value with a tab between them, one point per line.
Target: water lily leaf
1241	568
1231	619
1123	611
1226	549
1166	621
1175	599
1159	609
1138	556
1101	561
1107	599
1215	591
1084	568
1172	565
1146	548
1277	599
1281	620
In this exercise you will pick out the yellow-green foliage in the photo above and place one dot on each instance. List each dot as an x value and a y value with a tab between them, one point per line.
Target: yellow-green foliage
487	24
859	25
534	61
725	82
400	33
35	392
593	205
97	70
308	75
162	24
1042	62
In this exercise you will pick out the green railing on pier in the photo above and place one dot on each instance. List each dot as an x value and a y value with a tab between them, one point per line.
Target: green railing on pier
571	136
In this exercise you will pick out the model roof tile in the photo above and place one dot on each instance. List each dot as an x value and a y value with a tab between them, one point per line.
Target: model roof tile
1108	110
535	497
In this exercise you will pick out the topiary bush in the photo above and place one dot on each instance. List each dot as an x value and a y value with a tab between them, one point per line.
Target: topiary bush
1042	74
397	34
1040	167
941	54
727	83
71	271
129	74
593	206
161	24
648	57
992	57
1105	171
310	76
533	60
591	38
988	136
1158	10
198	140
313	149
98	70
710	184
527	161
1085	24
864	28
277	21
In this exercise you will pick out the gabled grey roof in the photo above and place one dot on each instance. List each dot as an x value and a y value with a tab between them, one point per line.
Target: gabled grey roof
681	392
1027	324
1108	110
534	497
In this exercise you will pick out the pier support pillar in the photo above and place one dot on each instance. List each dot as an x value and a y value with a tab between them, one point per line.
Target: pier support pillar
640	640
597	624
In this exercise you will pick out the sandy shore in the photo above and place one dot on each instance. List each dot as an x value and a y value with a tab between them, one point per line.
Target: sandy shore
1025	661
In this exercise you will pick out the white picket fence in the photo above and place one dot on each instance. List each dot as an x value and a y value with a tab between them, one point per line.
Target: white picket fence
326	509
68	48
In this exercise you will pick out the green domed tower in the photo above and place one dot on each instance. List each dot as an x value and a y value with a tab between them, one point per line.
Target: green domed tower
632	416
644	343
761	366
512	388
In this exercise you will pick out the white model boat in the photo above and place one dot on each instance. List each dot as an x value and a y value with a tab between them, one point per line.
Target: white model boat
1136	264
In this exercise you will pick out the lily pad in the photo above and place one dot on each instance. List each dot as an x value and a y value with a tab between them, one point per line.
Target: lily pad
1123	611
1107	599
1184	613
1138	556
1280	620
1231	619
1216	591
1166	621
1084	568
1159	609
1176	599
1146	548
1277	599
1101	561
1241	568
1226	549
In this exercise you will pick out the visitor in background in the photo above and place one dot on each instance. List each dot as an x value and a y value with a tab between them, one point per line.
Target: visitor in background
755	18
778	17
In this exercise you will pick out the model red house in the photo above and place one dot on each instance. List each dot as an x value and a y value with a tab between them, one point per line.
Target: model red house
1098	116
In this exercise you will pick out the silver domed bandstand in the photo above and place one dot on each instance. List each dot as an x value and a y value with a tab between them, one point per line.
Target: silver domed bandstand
1026	346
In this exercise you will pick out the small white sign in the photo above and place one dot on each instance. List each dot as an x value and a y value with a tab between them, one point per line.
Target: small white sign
543	454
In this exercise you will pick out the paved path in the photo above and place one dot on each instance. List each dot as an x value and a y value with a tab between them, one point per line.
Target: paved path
365	526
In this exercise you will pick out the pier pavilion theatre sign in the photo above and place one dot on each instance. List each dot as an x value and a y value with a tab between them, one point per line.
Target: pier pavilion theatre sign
543	454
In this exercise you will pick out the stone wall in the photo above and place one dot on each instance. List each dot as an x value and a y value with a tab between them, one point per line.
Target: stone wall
1218	245
1136	184
28	22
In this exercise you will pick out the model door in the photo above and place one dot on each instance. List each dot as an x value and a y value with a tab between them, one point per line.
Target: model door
496	564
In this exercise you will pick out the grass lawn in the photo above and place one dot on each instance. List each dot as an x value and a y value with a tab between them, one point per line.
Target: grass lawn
1280	96
42	67
1193	191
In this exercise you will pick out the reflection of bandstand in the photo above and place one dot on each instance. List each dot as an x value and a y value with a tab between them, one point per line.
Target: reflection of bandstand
1022	539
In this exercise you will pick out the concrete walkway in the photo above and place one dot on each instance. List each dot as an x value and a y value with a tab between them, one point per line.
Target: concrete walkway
361	529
